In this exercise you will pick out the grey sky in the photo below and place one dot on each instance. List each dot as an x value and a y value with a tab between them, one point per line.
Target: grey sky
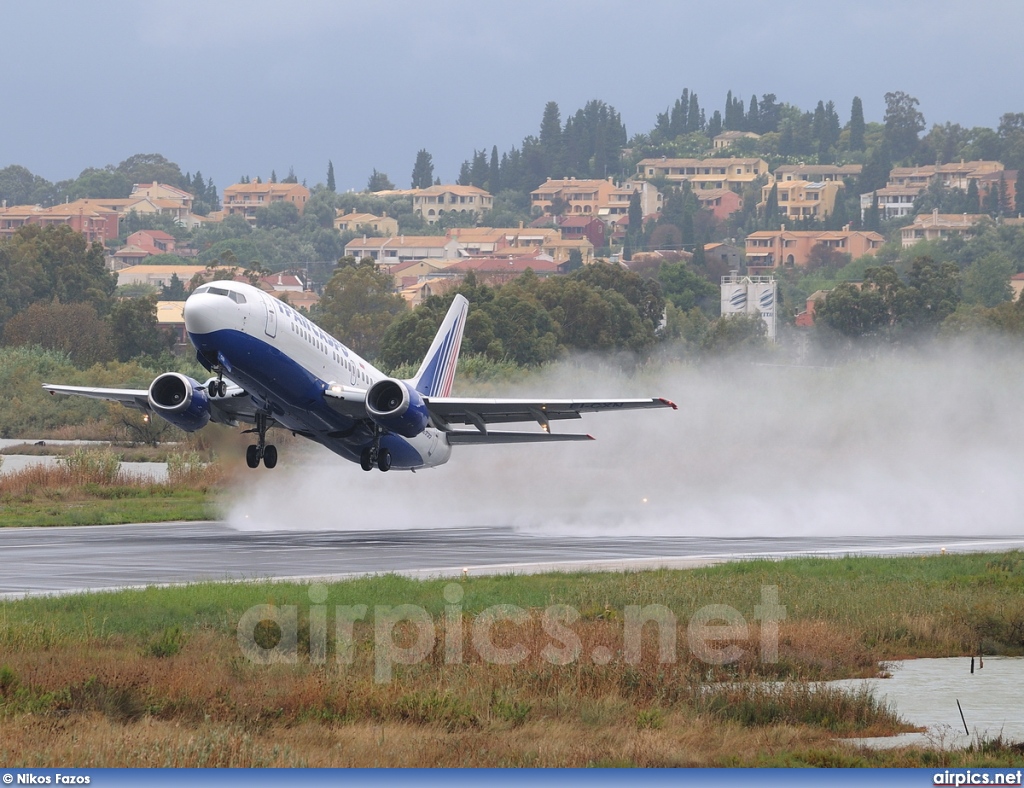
235	88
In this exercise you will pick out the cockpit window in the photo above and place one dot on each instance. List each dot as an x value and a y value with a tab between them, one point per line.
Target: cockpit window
218	291
238	298
202	289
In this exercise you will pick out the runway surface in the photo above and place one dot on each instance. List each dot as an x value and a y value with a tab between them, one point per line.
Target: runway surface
61	560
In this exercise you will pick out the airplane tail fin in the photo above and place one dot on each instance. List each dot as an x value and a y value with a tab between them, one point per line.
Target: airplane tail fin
437	372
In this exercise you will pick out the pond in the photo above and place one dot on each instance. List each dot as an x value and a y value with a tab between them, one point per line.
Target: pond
925	693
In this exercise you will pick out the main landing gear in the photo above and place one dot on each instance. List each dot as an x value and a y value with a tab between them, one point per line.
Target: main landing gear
261	451
375	455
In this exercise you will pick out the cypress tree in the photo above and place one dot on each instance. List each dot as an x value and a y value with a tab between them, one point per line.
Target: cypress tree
973	198
423	170
857	125
695	117
330	176
494	174
715	126
771	206
1004	197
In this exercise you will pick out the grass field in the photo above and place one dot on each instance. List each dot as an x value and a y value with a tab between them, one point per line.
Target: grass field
88	487
158	677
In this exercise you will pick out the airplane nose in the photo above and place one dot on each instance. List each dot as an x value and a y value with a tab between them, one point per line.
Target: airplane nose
205	313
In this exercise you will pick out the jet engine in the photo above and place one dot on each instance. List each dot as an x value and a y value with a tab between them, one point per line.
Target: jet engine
397	407
180	400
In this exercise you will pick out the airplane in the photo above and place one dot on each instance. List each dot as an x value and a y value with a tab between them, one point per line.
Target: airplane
273	367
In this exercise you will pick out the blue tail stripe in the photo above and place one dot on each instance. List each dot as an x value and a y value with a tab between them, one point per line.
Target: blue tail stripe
432	376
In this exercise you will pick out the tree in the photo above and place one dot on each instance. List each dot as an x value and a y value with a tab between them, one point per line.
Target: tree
903	123
379	182
331	186
857	124
771	206
575	261
135	330
423	170
174	290
478	170
47	263
550	140
150	168
686	289
732	333
987	282
875	173
74	329
18	186
494	172
358	305
635	226
278	214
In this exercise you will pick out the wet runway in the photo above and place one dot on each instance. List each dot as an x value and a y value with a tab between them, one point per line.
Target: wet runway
60	560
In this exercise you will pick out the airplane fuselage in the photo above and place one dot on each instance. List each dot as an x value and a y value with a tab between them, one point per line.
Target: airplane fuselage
285	362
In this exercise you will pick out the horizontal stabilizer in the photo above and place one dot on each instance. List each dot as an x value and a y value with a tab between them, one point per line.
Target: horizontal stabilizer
467	437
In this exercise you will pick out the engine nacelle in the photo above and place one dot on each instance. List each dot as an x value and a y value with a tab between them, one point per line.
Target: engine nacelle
180	400
396	407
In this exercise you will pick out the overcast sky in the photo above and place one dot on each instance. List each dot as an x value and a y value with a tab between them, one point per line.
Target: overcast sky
241	88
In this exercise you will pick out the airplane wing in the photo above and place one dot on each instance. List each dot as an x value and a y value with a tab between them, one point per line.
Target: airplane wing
446	411
132	398
236	406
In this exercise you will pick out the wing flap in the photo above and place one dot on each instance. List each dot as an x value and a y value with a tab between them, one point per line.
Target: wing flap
479	412
469	438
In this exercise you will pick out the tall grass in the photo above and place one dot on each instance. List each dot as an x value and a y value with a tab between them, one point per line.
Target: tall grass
117	679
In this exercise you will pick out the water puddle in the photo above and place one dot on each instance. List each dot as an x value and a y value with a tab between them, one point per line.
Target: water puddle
925	693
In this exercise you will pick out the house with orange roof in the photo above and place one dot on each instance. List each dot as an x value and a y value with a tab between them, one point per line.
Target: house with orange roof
436	201
499	269
158	275
937	226
733	173
361	222
617	204
400	248
584	196
96	222
243	199
727	138
803	199
722	203
768	249
817	172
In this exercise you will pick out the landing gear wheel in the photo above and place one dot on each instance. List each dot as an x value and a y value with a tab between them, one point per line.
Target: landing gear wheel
384	460
222	389
261	451
366	459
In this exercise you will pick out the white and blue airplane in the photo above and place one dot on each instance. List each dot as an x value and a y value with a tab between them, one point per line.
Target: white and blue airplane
272	367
